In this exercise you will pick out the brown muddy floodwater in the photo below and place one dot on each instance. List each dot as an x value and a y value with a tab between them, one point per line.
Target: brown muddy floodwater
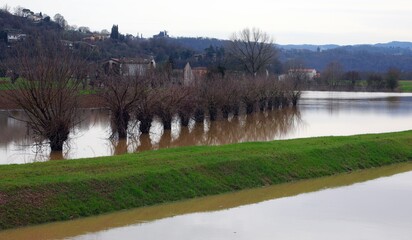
372	204
318	114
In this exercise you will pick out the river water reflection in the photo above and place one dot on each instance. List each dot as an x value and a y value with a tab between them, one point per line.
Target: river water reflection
318	114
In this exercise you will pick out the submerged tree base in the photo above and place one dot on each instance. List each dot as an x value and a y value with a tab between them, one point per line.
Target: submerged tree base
52	191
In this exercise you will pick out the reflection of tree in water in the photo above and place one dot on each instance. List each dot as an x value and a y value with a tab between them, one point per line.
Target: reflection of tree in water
145	143
89	118
14	130
56	155
120	147
125	145
260	126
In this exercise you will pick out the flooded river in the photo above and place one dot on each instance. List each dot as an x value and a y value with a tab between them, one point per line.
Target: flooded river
371	204
318	114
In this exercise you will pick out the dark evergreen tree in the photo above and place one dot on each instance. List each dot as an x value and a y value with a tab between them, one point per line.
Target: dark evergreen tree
3	36
115	32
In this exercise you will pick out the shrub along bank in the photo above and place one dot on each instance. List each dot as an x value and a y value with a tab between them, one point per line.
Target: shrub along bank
52	191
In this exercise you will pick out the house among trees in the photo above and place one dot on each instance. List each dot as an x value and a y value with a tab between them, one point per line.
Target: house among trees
188	75
307	73
161	35
96	37
129	66
34	17
15	37
192	74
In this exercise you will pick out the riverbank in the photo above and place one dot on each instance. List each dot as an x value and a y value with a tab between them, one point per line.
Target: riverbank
85	101
405	85
53	191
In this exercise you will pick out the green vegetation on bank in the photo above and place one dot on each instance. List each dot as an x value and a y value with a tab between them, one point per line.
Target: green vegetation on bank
405	85
51	191
5	83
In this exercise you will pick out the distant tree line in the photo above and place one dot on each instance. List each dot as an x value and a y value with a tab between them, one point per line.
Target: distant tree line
333	77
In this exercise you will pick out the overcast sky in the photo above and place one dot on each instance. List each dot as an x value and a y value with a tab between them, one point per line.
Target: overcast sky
288	21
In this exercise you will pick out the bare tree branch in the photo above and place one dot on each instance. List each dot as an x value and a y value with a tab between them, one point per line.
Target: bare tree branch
46	91
253	49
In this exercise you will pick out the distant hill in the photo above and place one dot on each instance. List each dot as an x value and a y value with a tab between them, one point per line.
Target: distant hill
364	57
310	47
199	44
395	44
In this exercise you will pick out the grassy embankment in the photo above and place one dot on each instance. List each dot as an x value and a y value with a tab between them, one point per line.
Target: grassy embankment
405	85
5	84
51	191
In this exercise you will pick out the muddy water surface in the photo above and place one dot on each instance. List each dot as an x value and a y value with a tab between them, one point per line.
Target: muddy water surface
318	114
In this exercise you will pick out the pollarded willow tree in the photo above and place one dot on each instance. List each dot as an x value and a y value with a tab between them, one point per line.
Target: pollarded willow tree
121	94
253	49
46	91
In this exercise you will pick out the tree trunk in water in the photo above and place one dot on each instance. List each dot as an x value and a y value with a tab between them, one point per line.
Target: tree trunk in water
262	104
285	102
121	120
199	115
249	107
270	103
295	98
212	112
236	109
295	101
225	111
184	119
57	139
145	124
167	122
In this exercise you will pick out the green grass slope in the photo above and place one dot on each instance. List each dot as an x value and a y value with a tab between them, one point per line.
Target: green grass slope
51	191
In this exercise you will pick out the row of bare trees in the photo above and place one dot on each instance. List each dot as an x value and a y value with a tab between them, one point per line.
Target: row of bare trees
142	98
49	90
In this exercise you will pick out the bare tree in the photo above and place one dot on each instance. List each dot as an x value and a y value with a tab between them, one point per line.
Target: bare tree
120	94
105	31
253	49
5	8
353	77
59	19
231	102
248	94
84	29
295	80
47	93
144	110
391	78
169	98
18	11
187	106
332	74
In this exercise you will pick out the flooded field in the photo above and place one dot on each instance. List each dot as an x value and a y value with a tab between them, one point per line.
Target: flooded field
318	114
